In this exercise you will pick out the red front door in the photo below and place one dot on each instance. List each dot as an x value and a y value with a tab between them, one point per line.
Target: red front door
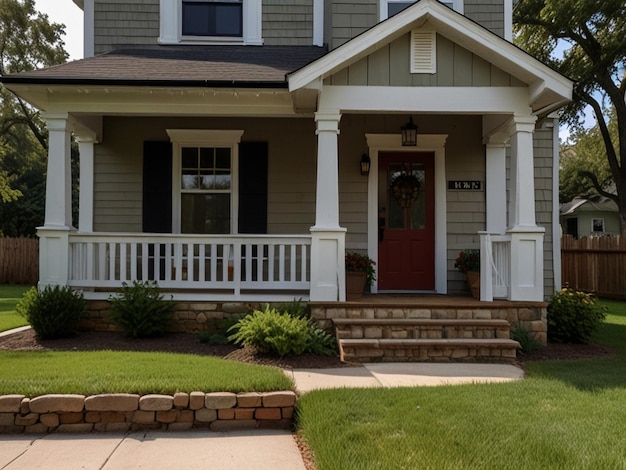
406	203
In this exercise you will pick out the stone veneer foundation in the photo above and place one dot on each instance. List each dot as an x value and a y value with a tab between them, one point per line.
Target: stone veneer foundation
220	411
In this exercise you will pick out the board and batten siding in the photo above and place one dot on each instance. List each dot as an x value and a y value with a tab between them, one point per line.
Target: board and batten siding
288	23
121	23
291	168
456	66
487	13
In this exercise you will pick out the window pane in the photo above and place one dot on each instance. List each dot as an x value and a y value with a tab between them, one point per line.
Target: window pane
222	179
190	157
396	7
205	213
212	18
406	201
228	20
223	158
206	157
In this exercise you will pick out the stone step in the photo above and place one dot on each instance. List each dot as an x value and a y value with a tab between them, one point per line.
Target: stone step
401	328
427	350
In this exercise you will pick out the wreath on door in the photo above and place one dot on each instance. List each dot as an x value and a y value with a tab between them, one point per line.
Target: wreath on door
405	188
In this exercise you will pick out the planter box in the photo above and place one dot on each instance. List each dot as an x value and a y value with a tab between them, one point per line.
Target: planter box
355	284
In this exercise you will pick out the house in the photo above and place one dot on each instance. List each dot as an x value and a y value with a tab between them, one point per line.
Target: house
221	147
591	216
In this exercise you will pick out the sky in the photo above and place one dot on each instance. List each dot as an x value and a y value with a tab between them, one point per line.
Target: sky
66	12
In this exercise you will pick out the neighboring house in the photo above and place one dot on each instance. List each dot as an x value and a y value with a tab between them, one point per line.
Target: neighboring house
221	145
591	216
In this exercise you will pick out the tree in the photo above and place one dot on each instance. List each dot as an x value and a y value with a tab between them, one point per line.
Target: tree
28	40
582	161
594	36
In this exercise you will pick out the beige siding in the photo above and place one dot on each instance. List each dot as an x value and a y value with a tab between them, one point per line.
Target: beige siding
456	66
288	23
488	13
291	143
349	18
120	22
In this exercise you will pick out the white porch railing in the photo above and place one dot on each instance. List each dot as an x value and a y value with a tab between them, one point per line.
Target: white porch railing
495	266
221	267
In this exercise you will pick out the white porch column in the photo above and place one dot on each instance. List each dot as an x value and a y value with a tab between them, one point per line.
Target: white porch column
495	186
327	238
86	140
526	236
54	234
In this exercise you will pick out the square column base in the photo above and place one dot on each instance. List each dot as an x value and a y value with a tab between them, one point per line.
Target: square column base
527	264
328	268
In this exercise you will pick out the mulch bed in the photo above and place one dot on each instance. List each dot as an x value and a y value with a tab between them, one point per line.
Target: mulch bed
189	344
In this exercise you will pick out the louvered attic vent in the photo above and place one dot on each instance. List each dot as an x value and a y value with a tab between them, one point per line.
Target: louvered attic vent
423	51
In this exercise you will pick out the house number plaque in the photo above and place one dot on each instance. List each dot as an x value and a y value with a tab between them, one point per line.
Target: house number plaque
465	185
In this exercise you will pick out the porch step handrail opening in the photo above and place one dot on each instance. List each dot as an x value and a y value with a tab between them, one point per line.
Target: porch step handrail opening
495	266
217	264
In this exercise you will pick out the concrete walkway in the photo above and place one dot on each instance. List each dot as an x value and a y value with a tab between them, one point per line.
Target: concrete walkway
403	374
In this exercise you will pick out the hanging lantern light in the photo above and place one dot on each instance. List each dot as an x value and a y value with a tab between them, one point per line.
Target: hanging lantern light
365	164
409	134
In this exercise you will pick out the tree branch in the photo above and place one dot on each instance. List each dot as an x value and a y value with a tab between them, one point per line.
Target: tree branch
597	186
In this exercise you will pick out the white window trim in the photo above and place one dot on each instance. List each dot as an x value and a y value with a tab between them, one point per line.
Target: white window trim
384	4
171	14
593	225
208	138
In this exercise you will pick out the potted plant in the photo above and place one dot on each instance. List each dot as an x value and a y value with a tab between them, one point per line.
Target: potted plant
468	262
359	274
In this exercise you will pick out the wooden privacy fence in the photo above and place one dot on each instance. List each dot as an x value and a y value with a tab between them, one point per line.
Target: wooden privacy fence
19	261
595	265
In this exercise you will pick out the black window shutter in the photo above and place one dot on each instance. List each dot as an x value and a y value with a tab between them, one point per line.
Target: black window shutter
157	187
253	157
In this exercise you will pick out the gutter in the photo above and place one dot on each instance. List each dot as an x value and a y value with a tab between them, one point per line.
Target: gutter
142	83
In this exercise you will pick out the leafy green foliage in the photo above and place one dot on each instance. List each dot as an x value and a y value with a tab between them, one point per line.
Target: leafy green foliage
525	338
217	329
295	308
140	310
574	316
53	312
468	260
279	333
585	40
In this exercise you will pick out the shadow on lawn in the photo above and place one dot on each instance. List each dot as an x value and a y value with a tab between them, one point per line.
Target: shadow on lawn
590	374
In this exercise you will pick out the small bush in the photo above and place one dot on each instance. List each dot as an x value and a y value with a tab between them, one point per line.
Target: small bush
525	338
295	308
140	310
574	316
53	312
280	333
217	329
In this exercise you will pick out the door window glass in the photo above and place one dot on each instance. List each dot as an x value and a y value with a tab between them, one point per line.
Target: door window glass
406	196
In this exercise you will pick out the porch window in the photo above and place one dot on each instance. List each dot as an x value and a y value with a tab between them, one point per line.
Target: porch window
205	181
206	176
212	18
388	8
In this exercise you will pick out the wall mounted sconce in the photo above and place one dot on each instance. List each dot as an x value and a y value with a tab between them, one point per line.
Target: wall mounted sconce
409	134
365	164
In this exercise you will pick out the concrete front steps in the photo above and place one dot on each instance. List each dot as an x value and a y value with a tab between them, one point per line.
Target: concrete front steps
424	340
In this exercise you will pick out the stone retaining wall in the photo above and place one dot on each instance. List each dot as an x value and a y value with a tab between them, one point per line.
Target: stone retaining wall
221	411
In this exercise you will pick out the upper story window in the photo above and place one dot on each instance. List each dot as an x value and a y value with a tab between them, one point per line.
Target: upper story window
212	18
391	7
211	22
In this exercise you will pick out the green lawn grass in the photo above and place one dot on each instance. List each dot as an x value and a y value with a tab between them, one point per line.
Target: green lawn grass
564	415
34	373
9	296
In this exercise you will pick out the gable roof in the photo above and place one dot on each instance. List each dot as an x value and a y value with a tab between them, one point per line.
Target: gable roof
548	89
232	66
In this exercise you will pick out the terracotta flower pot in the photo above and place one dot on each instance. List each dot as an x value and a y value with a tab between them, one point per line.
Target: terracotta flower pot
473	281
355	284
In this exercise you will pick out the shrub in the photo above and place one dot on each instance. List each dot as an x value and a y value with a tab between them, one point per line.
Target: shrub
525	338
280	333
574	316
53	312
217	329
140	310
295	308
